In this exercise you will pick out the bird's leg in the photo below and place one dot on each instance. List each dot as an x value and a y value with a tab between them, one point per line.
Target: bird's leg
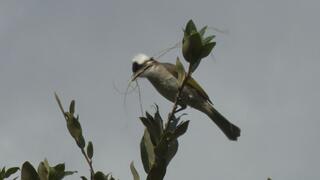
182	107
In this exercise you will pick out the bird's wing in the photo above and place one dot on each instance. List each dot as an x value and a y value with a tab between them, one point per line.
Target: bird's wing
171	68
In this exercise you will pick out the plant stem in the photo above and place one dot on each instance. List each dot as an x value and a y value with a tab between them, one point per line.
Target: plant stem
89	161
175	105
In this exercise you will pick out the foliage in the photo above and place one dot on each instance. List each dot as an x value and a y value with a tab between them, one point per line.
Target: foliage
7	173
195	45
159	143
45	171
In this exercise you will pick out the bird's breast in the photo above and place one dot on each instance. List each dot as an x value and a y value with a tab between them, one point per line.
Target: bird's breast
165	83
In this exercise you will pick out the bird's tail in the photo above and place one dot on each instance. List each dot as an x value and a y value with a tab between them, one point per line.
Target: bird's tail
229	129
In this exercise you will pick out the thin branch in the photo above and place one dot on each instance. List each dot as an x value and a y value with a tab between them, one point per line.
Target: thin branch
89	161
177	98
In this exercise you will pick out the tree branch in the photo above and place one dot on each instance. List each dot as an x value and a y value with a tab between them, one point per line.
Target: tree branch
177	98
89	161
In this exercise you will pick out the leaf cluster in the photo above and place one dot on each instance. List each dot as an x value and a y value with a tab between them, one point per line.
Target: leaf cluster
6	173
44	172
75	130
159	143
195	45
73	124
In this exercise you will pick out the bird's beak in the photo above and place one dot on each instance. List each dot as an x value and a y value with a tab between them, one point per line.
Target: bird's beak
140	71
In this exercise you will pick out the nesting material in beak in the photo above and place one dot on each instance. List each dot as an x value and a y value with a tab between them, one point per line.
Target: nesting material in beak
139	72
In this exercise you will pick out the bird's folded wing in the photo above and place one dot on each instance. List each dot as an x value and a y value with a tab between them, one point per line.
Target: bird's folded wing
171	68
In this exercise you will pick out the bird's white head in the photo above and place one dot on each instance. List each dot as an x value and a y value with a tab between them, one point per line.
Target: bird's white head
140	64
140	58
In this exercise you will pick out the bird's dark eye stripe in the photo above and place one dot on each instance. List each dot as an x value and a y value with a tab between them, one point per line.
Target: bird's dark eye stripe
136	67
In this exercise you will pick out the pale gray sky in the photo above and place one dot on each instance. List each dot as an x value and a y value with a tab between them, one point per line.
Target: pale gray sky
263	77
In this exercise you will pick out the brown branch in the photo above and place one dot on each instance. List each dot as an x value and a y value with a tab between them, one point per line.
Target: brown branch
175	105
89	161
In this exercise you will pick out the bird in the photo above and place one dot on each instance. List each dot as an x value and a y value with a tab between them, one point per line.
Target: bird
164	77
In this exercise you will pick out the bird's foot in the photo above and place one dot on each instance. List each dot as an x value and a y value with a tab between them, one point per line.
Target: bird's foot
182	107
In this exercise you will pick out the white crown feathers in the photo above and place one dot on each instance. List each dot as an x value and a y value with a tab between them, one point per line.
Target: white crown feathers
140	58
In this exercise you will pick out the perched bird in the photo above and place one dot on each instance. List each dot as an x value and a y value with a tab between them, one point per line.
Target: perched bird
163	76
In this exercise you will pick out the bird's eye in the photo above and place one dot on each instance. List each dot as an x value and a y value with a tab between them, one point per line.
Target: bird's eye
135	67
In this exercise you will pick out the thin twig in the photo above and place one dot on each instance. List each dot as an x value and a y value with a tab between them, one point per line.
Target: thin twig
140	98
89	161
165	51
175	105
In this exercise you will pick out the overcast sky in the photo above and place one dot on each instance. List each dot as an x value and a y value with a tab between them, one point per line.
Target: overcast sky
263	76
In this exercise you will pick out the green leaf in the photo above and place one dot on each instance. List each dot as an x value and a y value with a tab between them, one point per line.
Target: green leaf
2	173
190	27
108	176
161	149
181	71
90	150
203	30
163	153
11	171
191	47
59	103
134	172
73	124
57	172
194	65
111	178
208	39
152	128
28	172
68	173
43	171
206	50
60	167
158	170
81	142
149	116
148	124
158	119
147	151
181	129
46	172
145	121
172	150
75	129
172	123
72	107
99	176
83	178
